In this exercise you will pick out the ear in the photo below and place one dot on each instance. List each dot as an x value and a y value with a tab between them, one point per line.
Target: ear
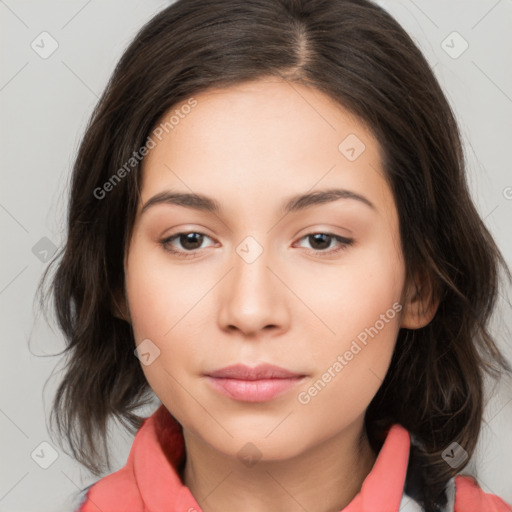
420	302
119	307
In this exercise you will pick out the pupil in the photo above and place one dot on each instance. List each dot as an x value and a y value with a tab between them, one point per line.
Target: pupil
189	238
317	238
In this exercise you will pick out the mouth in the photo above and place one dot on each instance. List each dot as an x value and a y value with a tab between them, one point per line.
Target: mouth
259	384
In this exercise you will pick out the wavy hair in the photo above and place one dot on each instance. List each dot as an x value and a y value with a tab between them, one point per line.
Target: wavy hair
360	56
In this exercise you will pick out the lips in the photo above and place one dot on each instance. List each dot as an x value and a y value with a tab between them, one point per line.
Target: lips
264	371
258	384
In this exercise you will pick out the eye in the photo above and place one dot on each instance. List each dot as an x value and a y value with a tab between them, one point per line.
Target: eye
321	241
191	242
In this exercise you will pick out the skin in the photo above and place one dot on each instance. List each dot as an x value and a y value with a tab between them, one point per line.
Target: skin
249	147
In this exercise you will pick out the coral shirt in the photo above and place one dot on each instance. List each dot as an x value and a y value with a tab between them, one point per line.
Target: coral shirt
150	481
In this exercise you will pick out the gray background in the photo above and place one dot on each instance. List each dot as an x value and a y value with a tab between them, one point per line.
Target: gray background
45	104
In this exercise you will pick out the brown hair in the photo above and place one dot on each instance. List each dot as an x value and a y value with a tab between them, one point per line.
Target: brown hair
356	53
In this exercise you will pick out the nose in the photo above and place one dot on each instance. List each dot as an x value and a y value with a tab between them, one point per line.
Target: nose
253	297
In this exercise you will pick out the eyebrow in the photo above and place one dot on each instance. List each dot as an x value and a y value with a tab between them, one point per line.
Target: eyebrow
292	204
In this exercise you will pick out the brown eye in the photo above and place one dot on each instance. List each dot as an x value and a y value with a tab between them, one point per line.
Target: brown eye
188	241
322	241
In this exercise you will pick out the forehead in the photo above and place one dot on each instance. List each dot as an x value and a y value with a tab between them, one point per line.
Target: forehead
261	139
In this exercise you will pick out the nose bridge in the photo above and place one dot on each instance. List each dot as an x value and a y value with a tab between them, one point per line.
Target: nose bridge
252	279
253	299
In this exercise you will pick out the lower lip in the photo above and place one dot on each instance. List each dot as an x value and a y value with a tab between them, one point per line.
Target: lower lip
253	390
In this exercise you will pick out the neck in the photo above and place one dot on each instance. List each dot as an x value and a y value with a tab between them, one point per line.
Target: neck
324	478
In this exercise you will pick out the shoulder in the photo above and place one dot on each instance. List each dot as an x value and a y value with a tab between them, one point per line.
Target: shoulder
114	492
469	497
121	491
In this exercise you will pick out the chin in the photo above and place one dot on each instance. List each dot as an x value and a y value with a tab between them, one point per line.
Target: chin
258	445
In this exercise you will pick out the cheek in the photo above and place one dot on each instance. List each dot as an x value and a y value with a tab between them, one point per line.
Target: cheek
360	303
157	317
360	293
159	293
352	368
158	303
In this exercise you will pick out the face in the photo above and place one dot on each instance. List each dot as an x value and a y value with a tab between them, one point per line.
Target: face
315	289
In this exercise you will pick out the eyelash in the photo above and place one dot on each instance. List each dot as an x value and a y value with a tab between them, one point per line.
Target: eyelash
165	243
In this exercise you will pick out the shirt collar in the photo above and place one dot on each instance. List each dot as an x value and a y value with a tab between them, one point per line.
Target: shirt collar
158	452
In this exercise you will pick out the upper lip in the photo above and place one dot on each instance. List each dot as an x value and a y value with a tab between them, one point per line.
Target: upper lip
263	371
